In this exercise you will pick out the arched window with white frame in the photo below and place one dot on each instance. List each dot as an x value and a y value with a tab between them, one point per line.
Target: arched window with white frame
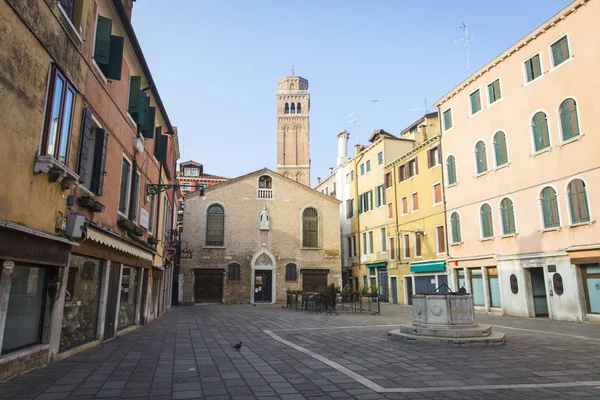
540	131
507	214
487	224
451	169
455	228
569	121
578	202
549	205
480	157
500	149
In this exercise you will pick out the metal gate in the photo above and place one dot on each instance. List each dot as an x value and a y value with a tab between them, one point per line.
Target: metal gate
384	286
111	300
394	290
263	283
208	285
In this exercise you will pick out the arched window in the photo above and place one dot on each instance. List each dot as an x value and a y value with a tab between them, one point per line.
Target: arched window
480	157
507	213
310	227
569	123
265	182
293	109
455	225
215	225
578	204
287	108
549	204
233	274
487	226
451	168
541	135
500	148
291	272
299	108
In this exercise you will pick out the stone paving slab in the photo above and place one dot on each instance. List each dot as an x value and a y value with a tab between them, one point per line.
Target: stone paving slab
187	354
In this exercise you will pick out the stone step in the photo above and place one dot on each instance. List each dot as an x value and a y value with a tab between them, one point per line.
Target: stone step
479	331
494	339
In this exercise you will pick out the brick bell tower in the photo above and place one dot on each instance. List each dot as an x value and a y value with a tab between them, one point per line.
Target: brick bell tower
293	129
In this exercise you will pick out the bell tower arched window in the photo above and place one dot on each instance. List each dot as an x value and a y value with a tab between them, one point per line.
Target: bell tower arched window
265	187
299	108
293	109
287	108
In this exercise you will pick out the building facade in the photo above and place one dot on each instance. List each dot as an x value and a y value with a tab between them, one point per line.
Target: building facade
416	220
84	135
293	129
521	173
254	237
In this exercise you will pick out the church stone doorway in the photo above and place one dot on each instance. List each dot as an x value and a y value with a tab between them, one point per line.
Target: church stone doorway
263	283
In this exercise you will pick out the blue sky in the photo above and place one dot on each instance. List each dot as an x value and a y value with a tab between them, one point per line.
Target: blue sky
217	62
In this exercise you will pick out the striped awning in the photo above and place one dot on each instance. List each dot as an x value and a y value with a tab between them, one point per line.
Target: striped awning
111	241
428	266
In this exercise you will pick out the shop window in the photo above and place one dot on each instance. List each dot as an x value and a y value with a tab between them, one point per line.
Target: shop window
591	280
127	305
23	326
494	285
460	279
557	282
514	284
80	312
477	286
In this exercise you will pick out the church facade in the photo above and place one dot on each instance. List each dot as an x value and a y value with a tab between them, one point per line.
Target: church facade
254	237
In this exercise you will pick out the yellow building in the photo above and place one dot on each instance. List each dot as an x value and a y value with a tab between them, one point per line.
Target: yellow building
369	209
416	232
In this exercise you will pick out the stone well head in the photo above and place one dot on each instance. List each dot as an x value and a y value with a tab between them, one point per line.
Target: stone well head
444	310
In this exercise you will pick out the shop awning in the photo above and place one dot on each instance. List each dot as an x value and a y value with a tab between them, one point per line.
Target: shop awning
428	266
111	241
377	265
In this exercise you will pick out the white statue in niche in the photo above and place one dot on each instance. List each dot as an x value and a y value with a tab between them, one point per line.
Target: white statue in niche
264	219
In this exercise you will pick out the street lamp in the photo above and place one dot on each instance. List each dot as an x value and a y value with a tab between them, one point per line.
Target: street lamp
155	188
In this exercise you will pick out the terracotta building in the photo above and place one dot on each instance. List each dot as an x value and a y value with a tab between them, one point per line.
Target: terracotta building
522	173
256	236
83	251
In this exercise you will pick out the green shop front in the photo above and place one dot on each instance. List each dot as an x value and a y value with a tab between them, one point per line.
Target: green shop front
378	276
426	276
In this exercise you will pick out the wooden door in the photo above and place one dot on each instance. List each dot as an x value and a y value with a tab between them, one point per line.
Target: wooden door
208	285
111	300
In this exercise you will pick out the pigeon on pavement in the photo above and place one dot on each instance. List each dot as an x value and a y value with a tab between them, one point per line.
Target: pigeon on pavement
237	346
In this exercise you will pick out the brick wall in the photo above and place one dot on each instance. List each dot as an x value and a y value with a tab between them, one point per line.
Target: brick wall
12	367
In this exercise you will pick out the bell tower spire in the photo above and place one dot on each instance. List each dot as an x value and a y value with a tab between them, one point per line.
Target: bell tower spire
293	129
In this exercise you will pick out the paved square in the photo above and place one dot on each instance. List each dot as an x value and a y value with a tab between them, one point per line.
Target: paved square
288	354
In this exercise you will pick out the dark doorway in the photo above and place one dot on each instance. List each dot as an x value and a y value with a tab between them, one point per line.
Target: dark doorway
425	284
384	288
313	280
144	297
538	289
111	300
394	289
208	285
409	290
263	284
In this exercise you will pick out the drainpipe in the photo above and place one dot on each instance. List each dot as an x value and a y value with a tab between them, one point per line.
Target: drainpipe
357	213
443	190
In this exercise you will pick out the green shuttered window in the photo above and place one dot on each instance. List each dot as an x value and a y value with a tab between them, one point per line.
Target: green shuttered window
487	226
569	122
451	168
507	213
533	68
500	149
108	49
161	143
475	99
541	136
549	204
455	224
578	203
480	157
560	51
447	119
494	92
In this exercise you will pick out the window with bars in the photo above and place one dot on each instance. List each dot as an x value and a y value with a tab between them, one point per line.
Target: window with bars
541	135
440	239
533	68
507	213
578	203
494	92
569	122
455	227
560	51
549	204
451	169
487	226
500	149
447	119
215	225
233	274
480	157
310	227
291	272
475	101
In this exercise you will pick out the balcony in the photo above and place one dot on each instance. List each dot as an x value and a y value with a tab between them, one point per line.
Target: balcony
57	172
266	194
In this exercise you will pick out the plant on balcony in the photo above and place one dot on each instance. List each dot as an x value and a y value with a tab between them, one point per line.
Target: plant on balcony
90	203
137	231
152	240
126	224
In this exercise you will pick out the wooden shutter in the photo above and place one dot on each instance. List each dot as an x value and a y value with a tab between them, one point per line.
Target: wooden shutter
416	159
392	250
160	145
148	127
370	199
135	85
377	197
99	162
360	203
429	158
383	200
144	104
84	148
102	45
529	69
112	69
415	198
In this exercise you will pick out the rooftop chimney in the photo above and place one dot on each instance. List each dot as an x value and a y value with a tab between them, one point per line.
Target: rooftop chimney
342	147
318	181
128	4
357	148
330	170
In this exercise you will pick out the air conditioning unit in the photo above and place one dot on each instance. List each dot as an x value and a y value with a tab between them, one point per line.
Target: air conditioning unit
77	225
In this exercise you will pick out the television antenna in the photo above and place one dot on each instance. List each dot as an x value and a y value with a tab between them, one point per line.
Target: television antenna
422	108
354	120
378	121
466	40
